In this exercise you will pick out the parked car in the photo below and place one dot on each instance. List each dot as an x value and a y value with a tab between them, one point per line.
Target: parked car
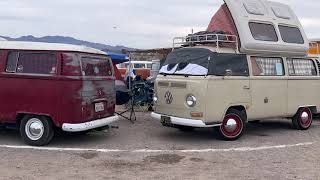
50	87
140	68
262	71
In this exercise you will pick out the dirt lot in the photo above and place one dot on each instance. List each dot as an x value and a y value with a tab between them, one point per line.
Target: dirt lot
146	150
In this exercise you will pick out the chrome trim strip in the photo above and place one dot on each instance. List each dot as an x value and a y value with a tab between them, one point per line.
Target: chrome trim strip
184	121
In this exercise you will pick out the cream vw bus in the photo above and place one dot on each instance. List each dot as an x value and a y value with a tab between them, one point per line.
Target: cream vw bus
256	69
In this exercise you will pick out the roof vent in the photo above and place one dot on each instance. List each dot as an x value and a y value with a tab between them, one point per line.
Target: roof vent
254	7
281	12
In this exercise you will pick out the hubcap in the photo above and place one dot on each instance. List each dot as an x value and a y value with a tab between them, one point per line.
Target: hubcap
231	125
305	117
34	129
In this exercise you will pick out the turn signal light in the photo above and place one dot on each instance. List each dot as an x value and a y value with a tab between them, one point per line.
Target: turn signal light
196	114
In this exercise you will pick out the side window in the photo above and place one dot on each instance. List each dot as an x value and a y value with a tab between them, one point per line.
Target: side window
264	66
139	66
12	62
96	66
263	32
301	67
31	63
291	34
36	63
235	64
70	64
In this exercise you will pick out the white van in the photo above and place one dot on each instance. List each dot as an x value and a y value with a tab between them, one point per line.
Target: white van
137	64
225	80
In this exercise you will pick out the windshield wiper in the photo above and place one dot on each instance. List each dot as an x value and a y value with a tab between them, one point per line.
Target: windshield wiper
165	74
220	75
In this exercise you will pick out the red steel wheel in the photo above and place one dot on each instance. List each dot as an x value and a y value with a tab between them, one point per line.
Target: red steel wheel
232	126
303	119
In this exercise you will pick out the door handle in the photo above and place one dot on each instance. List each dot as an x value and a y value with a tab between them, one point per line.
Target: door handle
246	87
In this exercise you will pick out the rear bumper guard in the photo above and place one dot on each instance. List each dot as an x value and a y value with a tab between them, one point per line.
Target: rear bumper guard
89	125
183	121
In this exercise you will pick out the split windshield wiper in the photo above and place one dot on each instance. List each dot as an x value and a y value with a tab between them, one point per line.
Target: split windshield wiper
167	74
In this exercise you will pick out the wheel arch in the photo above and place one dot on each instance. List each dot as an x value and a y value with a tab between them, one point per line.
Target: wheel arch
240	108
21	115
313	108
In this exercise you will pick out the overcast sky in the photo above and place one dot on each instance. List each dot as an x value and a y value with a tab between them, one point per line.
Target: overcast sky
134	23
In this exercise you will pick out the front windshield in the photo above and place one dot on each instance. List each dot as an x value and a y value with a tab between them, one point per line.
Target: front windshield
202	62
187	61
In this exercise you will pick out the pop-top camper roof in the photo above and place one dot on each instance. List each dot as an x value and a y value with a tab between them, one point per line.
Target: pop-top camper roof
262	27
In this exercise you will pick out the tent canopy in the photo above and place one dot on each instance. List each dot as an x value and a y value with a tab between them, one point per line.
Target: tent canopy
118	58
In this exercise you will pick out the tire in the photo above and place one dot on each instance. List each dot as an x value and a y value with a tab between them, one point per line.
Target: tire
185	128
303	119
254	122
233	125
42	132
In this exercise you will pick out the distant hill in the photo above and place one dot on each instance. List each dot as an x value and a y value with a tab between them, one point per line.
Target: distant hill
70	40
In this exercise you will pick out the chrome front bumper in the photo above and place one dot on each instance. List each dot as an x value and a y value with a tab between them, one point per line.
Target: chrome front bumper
183	121
89	125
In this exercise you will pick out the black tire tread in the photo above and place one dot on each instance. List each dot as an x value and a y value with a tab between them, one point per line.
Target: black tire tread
48	134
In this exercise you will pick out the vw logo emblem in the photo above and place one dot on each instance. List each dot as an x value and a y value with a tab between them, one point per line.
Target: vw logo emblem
168	97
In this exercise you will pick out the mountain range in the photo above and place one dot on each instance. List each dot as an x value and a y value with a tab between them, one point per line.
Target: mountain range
71	40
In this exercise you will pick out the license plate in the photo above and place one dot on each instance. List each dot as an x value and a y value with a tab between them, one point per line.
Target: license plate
166	121
99	107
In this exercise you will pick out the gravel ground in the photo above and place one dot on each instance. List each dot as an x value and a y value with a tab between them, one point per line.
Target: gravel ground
261	155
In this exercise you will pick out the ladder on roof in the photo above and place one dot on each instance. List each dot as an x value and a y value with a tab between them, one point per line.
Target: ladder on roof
217	40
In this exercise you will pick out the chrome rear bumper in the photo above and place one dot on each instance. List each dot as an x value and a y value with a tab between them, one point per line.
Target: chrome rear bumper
183	121
89	125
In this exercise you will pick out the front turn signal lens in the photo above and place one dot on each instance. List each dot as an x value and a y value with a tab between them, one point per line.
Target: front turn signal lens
196	114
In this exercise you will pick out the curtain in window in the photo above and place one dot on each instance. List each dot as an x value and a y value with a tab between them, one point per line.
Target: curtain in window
302	67
290	67
268	65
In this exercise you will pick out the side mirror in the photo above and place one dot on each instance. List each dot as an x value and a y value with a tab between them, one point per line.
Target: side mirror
228	72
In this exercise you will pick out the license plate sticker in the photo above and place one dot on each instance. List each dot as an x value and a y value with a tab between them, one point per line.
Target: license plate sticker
99	107
165	120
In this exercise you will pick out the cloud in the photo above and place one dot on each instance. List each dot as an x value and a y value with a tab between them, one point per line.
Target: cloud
141	24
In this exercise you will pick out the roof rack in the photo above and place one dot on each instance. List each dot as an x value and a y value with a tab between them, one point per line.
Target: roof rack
218	40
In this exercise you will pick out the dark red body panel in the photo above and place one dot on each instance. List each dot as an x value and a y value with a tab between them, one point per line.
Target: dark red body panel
65	99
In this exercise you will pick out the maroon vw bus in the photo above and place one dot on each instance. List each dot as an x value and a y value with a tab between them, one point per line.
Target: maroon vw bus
47	87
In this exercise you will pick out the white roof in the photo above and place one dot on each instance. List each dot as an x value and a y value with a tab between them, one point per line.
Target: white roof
314	40
264	11
39	46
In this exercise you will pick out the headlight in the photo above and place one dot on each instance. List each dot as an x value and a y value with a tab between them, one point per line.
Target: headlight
191	101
